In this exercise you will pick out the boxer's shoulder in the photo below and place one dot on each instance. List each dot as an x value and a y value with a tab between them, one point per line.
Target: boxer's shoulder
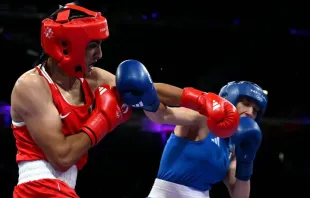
30	82
31	79
29	92
99	77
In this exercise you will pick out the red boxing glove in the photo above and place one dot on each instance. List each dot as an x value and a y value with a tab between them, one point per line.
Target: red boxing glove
107	115
222	117
125	109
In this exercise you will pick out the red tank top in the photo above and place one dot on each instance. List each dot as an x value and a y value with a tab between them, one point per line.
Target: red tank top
72	118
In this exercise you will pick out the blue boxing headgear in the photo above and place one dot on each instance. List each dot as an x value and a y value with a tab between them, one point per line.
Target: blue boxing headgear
236	89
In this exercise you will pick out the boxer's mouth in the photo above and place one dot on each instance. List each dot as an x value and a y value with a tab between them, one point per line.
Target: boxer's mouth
92	63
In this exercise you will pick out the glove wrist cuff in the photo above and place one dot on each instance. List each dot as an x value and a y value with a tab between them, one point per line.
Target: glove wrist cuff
96	127
190	98
244	170
152	101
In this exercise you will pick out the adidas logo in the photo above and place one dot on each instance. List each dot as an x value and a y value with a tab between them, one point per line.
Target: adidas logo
140	104
216	141
216	105
102	90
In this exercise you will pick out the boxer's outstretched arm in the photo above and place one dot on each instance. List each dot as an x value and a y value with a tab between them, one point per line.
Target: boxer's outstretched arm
236	187
32	100
168	94
176	116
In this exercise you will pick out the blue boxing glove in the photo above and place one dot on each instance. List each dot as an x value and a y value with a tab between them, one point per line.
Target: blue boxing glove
247	140
134	84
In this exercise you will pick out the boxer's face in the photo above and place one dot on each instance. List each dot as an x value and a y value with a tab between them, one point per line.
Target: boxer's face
247	107
93	54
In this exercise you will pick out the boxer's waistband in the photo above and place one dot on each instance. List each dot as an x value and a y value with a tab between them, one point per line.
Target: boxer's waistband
166	189
40	169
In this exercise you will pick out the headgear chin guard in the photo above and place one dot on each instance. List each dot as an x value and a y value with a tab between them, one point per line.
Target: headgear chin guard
66	40
236	89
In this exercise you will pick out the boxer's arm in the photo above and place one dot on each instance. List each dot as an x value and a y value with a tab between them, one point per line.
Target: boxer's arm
101	76
236	187
171	96
175	116
31	99
168	94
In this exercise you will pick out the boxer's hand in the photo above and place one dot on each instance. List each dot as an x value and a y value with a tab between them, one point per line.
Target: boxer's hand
247	140
222	117
109	112
135	86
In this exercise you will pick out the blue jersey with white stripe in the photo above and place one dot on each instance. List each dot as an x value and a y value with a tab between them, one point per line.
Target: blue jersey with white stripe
195	164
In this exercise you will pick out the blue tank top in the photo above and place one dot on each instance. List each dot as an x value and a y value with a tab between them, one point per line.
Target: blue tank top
195	164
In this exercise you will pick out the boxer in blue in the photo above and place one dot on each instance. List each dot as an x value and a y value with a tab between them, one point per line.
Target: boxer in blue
195	157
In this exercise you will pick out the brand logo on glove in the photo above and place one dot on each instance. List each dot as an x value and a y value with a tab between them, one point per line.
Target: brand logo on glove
118	113
125	108
216	105
140	104
102	90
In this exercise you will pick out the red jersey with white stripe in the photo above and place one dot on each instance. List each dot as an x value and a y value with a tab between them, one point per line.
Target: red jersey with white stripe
72	118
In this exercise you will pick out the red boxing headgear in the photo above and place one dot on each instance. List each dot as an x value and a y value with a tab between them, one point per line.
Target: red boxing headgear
66	40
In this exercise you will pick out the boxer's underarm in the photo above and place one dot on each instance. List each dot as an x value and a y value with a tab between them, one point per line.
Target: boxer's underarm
168	94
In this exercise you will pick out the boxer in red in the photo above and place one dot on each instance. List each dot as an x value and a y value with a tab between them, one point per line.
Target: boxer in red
54	120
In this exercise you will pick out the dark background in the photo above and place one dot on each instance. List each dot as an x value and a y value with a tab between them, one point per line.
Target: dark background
203	45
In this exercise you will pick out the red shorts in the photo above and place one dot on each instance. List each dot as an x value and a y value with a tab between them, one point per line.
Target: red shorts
47	188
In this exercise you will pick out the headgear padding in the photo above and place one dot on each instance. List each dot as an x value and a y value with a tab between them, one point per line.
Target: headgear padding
236	89
66	40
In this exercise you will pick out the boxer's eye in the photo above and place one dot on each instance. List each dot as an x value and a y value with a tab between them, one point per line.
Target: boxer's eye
246	103
92	46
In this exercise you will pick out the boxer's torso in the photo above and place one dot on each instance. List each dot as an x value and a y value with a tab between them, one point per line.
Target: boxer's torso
73	112
196	164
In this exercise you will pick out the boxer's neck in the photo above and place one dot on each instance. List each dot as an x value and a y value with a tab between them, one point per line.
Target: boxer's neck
59	76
